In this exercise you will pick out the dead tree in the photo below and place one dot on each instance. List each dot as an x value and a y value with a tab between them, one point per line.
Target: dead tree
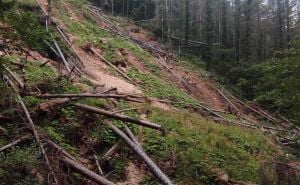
120	117
86	172
33	128
49	13
153	167
15	142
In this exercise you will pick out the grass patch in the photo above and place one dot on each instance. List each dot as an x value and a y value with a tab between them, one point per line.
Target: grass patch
201	147
88	32
95	102
30	30
154	87
36	73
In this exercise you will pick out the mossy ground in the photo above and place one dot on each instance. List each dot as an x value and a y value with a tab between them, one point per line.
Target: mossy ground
202	146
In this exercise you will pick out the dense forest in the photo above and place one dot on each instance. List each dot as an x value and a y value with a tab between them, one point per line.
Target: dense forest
150	92
250	44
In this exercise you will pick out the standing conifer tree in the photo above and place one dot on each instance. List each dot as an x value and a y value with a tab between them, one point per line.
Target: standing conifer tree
207	54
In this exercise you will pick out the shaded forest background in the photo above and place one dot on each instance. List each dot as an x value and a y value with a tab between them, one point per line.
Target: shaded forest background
251	45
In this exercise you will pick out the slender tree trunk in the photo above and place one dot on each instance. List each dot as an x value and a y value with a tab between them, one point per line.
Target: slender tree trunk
280	23
127	8
207	54
224	24
248	30
288	22
112	7
124	7
187	22
49	13
259	34
168	22
163	21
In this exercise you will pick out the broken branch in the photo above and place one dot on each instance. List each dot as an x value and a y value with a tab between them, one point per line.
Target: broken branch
14	143
49	96
86	172
111	151
154	168
110	64
16	79
132	137
98	165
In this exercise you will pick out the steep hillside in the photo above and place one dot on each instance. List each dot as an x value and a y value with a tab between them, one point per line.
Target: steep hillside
202	134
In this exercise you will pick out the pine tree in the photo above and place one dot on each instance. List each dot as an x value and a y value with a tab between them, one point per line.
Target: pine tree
224	32
280	23
237	28
248	30
207	53
187	21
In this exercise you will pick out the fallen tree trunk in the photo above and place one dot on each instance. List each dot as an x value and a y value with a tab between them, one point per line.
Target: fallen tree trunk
153	167
120	117
15	142
68	42
59	148
190	88
45	63
243	116
98	165
132	137
111	151
16	79
62	56
124	110
53	103
49	96
4	118
254	110
110	64
19	65
86	172
32	127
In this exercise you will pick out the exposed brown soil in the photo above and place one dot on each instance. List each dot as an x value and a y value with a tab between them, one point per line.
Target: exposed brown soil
94	68
134	175
200	88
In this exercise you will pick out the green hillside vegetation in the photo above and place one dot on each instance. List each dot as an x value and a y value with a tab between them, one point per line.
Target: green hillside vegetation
194	149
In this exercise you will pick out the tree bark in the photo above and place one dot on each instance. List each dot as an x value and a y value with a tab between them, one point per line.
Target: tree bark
111	151
59	148
33	128
86	172
14	76
153	167
14	143
116	96
110	64
49	12
132	137
120	117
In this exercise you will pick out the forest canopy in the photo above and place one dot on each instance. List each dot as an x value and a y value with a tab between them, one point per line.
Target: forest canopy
249	44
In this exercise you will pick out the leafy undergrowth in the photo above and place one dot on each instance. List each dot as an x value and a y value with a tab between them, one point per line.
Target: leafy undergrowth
200	147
